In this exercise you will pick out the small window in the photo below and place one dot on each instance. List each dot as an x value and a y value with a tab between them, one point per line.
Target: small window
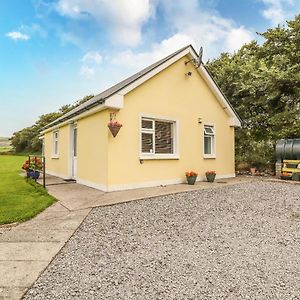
209	140
157	137
55	143
209	130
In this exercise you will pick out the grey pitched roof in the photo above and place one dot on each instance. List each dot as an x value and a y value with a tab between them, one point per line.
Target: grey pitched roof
100	98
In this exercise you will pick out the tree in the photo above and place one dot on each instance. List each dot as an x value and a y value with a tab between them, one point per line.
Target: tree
27	139
263	84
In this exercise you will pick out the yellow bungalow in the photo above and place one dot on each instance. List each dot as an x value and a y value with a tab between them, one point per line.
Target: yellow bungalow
174	119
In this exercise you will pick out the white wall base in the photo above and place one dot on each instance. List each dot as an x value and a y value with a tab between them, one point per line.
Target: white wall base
98	186
122	187
64	176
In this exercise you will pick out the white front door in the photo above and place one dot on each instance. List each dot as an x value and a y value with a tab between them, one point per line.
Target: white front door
74	152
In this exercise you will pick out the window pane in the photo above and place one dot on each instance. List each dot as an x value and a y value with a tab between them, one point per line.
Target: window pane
55	147
163	137
75	142
147	142
147	124
55	142
207	145
208	130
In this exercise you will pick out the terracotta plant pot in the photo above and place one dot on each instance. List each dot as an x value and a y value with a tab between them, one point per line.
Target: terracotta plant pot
114	128
191	179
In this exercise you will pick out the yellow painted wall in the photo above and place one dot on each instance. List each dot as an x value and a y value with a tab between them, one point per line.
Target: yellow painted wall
114	162
92	148
60	165
174	95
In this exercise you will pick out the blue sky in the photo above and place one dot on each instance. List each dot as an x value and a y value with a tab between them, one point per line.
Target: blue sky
55	52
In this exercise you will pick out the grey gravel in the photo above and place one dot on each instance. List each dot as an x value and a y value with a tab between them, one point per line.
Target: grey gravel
234	242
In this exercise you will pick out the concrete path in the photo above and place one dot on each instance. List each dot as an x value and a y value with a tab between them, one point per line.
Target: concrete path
76	196
27	249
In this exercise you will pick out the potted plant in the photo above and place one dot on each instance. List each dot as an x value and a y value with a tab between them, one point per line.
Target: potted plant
114	127
191	177
33	167
210	176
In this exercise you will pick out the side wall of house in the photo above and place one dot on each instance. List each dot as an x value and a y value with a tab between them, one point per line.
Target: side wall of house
92	149
58	165
170	94
92	152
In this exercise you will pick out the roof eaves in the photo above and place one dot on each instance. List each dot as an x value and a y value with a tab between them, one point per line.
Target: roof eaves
134	77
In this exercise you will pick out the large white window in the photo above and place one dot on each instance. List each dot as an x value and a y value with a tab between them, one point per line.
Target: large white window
55	144
158	138
209	141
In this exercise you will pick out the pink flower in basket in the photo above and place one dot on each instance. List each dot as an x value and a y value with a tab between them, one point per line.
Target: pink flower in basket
114	127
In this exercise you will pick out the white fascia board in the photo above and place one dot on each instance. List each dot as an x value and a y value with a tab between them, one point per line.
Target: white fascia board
116	101
91	111
234	120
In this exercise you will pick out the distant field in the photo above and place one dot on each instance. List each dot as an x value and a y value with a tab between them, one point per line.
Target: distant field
5	145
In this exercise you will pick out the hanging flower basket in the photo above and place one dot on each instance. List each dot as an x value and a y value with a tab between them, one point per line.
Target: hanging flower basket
114	127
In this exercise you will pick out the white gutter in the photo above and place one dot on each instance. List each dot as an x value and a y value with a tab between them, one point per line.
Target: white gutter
114	102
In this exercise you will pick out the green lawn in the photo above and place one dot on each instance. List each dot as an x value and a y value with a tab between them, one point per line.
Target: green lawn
20	199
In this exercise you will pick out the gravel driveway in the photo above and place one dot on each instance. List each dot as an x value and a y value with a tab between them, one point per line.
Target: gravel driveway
234	242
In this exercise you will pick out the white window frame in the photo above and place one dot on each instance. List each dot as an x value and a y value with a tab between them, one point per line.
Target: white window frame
213	154
175	129
55	141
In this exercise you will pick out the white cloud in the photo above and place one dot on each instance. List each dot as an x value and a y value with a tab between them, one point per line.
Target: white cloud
278	11
123	18
34	29
92	57
18	36
237	37
191	25
87	72
206	28
157	51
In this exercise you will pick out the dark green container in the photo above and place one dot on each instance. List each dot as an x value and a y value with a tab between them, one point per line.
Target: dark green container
191	179
210	177
296	176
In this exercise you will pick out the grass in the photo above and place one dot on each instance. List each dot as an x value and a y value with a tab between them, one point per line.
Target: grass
20	198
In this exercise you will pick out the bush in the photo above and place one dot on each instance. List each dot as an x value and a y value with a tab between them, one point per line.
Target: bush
260	155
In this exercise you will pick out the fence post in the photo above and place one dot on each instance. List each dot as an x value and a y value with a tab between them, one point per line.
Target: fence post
44	172
35	168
